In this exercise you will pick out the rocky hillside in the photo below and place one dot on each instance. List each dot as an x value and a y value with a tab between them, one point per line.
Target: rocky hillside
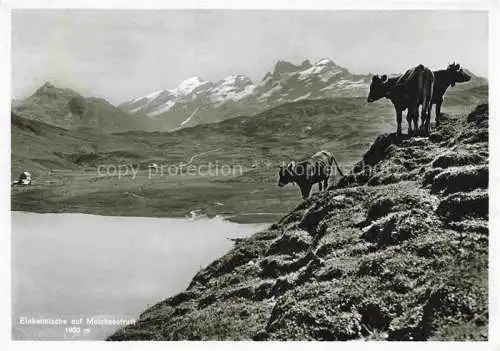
68	109
396	251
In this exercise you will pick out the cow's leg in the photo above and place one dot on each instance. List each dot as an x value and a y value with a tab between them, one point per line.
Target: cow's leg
420	113
422	122
399	119
424	128
428	119
414	118
438	111
415	123
305	189
325	184
320	186
409	118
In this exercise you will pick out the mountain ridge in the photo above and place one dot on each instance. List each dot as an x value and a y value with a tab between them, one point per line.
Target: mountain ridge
238	95
68	109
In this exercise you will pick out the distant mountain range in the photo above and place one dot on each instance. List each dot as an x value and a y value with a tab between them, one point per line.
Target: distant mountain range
196	101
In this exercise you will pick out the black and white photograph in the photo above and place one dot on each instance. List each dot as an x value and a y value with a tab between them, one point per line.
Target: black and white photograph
248	174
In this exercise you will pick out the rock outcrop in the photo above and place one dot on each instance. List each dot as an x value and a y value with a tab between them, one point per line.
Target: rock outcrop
396	250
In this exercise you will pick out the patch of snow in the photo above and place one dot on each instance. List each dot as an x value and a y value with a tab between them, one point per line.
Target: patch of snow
148	97
323	62
162	108
265	80
187	86
190	116
135	109
268	93
329	74
232	79
234	88
345	84
309	72
339	84
320	69
305	96
247	91
153	95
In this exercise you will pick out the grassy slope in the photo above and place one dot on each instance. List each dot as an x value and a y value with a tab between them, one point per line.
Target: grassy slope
399	253
38	146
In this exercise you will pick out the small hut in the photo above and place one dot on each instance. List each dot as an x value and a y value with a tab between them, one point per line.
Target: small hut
24	179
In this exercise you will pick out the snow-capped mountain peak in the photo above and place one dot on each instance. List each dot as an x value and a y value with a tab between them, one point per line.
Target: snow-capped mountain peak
237	79
149	97
189	86
325	62
233	87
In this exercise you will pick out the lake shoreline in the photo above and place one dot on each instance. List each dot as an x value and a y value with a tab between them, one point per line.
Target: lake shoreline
237	219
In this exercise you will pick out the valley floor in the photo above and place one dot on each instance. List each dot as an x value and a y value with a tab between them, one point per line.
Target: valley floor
167	196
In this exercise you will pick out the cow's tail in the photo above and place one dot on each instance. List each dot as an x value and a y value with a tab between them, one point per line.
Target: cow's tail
430	93
332	158
427	88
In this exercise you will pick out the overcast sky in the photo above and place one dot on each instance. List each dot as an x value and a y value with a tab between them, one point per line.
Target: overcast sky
123	54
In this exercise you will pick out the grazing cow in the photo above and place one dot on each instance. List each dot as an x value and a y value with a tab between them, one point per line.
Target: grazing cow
315	169
442	80
408	91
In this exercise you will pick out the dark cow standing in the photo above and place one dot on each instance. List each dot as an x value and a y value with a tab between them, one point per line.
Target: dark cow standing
443	79
408	91
316	169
